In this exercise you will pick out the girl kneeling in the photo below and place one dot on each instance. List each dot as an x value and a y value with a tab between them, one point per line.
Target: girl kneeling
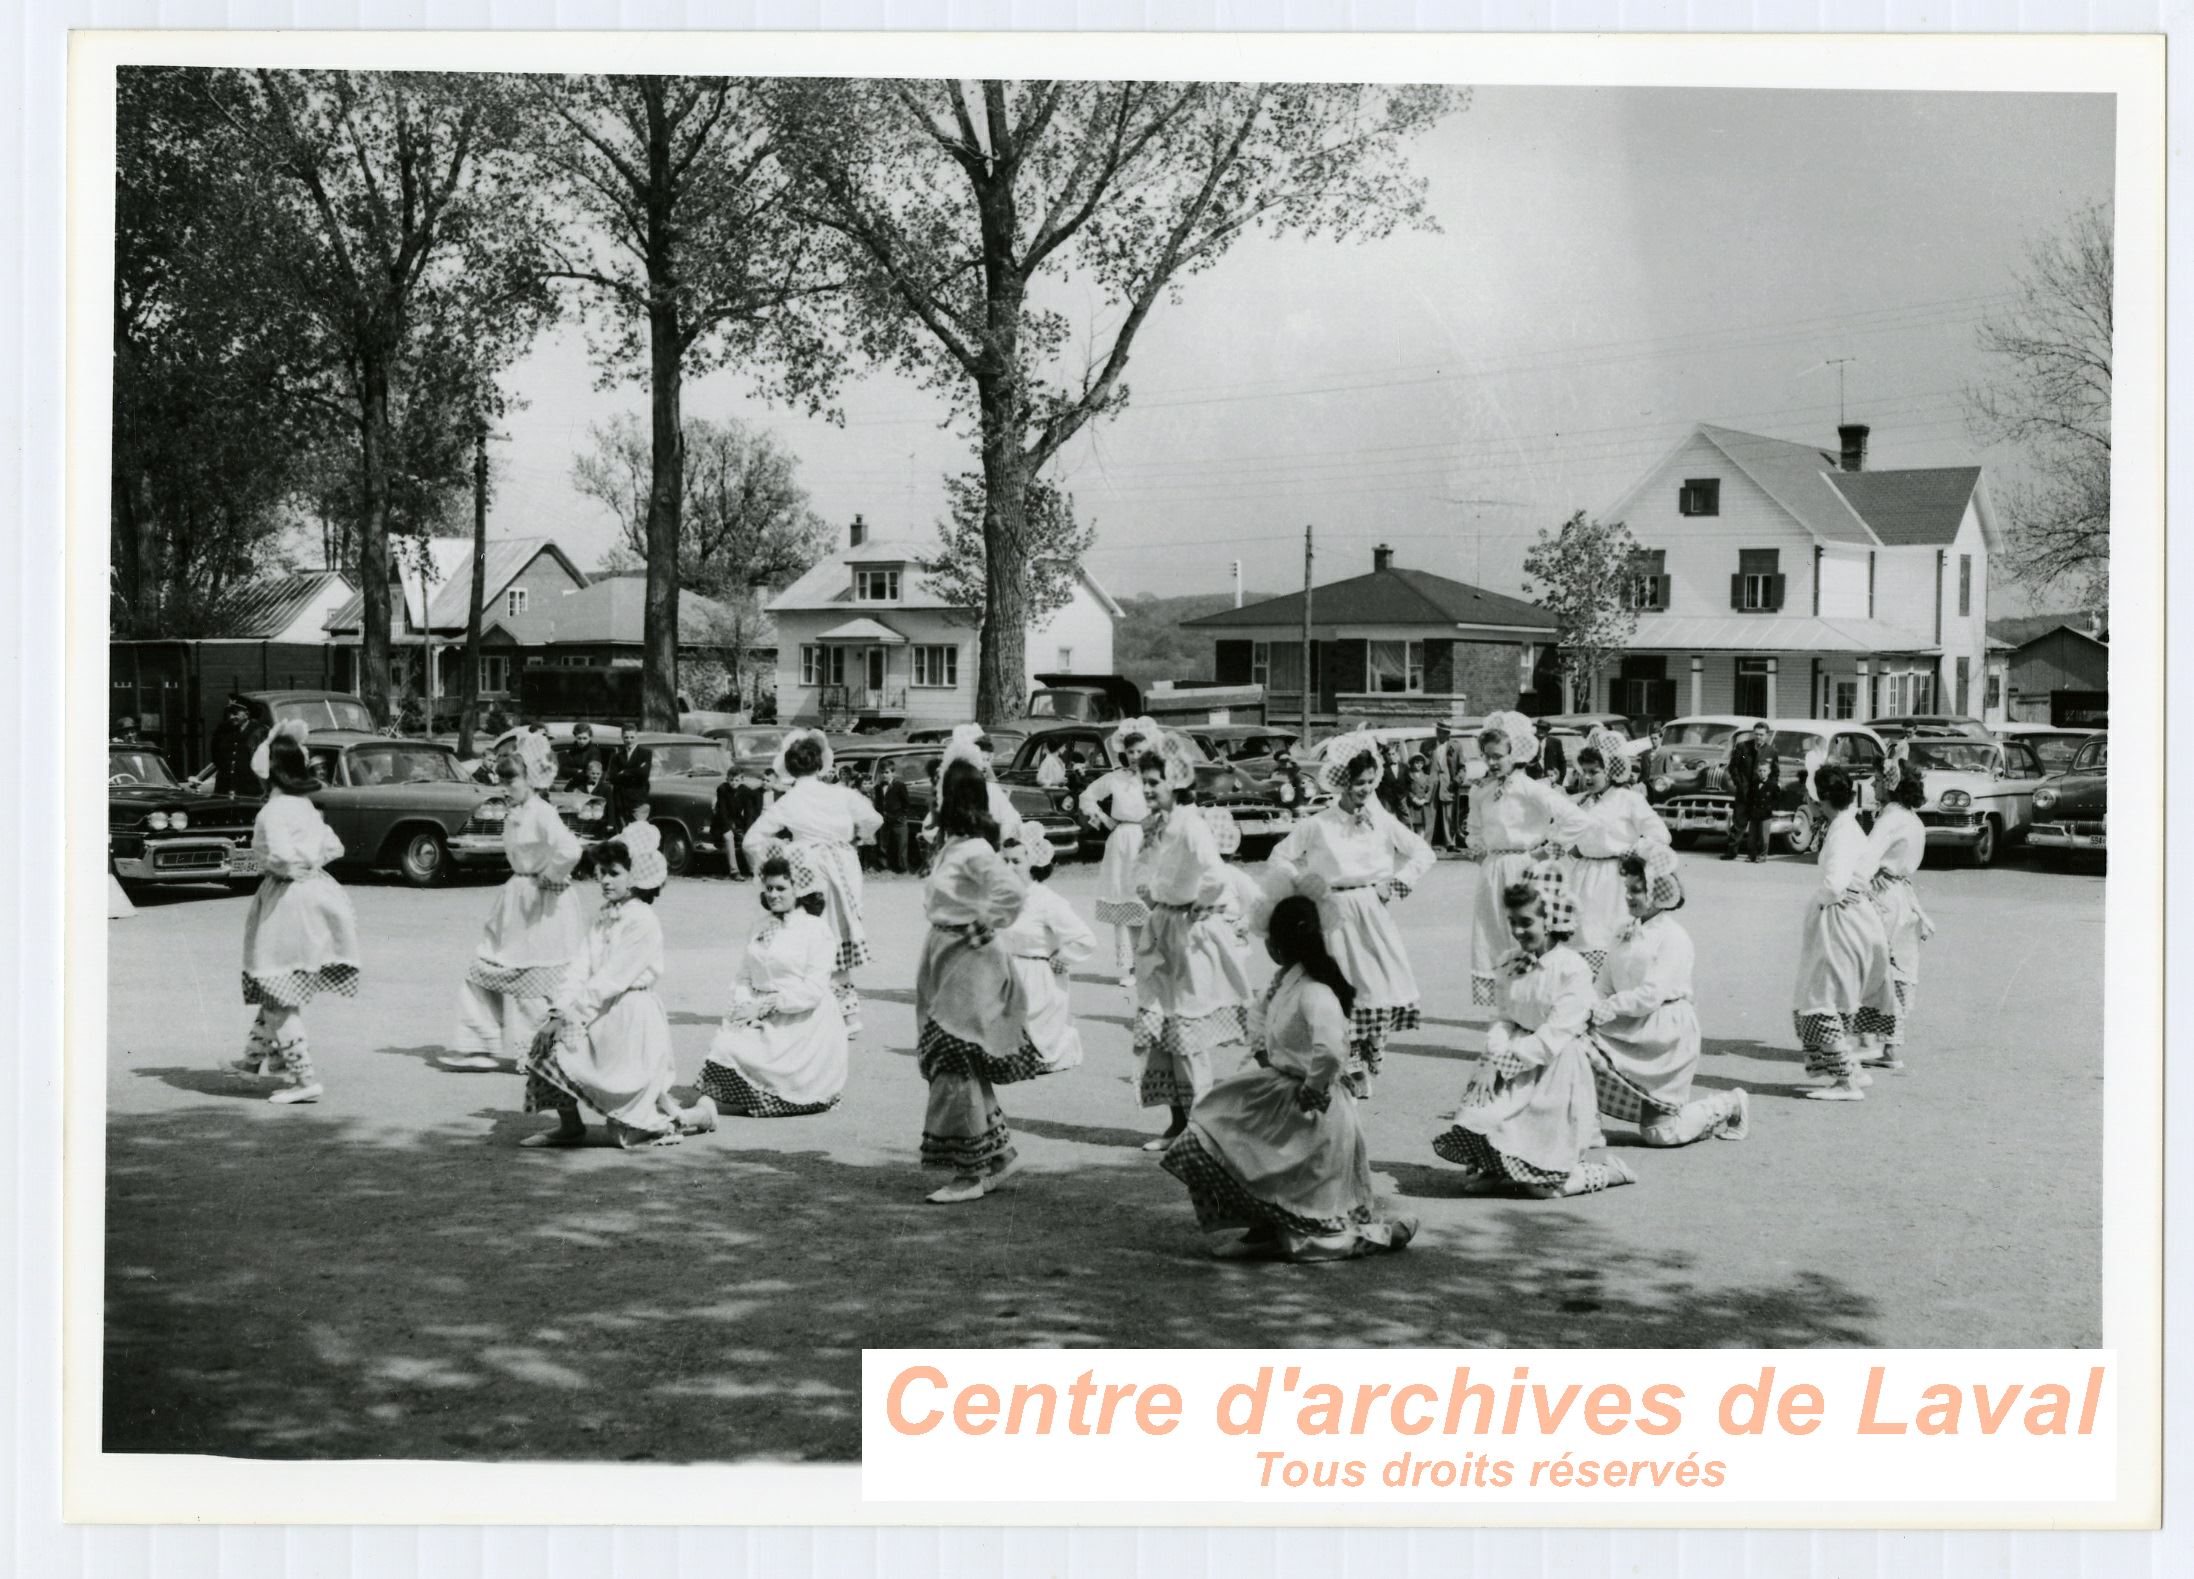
781	1050
1529	1115
1645	1031
1279	1148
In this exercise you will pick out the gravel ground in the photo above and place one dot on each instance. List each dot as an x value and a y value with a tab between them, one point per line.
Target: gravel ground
385	1274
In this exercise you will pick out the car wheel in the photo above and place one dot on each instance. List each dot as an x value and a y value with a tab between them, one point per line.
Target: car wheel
1983	853
1685	838
422	858
1799	841
677	848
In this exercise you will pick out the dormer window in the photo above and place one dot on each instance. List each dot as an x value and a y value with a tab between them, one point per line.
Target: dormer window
876	586
1700	496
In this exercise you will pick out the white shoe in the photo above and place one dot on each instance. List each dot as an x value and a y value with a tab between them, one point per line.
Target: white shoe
998	1177
965	1188
1836	1091
290	1094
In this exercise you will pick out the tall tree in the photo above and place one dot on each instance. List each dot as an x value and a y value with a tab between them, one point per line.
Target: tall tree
746	524
2051	399
391	212
681	235
1054	542
957	203
1584	575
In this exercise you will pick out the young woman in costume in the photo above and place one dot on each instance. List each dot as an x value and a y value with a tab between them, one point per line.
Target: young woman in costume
781	1050
1515	821
1616	822
818	824
1844	990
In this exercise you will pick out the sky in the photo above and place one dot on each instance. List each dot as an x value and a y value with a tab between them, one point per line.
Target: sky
1611	267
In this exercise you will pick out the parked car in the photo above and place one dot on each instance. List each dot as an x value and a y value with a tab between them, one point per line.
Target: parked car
1054	811
751	745
682	794
1082	699
316	710
1688	783
2071	809
1249	747
160	831
2056	747
1903	725
1980	793
405	804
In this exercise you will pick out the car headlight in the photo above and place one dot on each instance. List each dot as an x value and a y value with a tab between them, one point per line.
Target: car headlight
157	822
178	820
1956	800
2044	799
492	810
1662	785
593	809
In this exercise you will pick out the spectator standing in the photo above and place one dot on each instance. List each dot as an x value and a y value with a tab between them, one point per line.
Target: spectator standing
1753	776
892	800
740	801
234	742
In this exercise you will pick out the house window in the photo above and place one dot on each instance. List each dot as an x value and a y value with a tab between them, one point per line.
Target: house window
1397	667
494	675
876	586
1284	664
937	667
1965	583
1965	682
822	665
514	601
1066	659
1995	690
1757	587
1847	699
1260	663
1647	587
1699	496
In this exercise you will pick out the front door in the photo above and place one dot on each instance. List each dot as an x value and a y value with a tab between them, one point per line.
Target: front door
874	674
1751	697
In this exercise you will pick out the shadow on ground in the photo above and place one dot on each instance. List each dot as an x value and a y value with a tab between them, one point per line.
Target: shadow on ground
466	1299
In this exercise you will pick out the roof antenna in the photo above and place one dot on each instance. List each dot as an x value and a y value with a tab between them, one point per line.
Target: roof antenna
1838	363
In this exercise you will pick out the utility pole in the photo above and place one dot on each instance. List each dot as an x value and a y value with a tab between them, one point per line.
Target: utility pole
466	719
1237	583
1307	649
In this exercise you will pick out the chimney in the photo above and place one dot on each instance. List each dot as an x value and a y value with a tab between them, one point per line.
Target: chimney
1382	558
859	532
1853	437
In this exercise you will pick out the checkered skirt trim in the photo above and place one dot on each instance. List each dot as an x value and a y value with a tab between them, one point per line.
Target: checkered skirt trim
1123	912
518	981
739	1097
293	989
938	1051
1831	1040
1619	1097
1223	1201
1468	1149
852	952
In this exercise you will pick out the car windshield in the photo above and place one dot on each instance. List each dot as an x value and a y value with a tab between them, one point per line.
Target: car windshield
403	764
138	767
1945	756
1698	734
691	759
1796	743
1078	705
2094	757
321	712
757	745
2056	751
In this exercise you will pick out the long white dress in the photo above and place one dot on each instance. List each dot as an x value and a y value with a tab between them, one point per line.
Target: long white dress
1843	988
300	936
1615	823
1896	848
1253	1156
781	1049
969	1004
822	823
1340	858
1537	1115
1510	816
1046	940
1645	1026
609	1044
1192	984
533	935
1122	788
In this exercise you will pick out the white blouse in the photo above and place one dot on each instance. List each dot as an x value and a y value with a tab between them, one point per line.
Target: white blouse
292	838
1353	850
1543	1006
815	811
1124	789
789	961
1844	859
1180	864
973	885
1302	1029
1648	964
1898	843
538	844
1516	812
1048	929
624	950
1617	821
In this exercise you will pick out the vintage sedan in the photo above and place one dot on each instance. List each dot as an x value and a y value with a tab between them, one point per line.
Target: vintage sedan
1259	817
1687	777
160	830
2056	747
1689	786
1980	793
405	804
1253	748
2071	809
682	794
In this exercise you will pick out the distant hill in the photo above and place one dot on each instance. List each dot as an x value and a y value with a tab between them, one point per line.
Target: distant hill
1148	642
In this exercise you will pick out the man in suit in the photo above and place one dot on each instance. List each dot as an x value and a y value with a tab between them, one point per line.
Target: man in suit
740	800
1754	776
893	801
1443	787
584	750
234	741
1550	762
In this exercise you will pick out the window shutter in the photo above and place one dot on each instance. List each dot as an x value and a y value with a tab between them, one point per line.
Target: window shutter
1775	592
1660	592
1737	590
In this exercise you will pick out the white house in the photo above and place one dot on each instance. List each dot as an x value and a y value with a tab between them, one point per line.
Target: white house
1781	580
862	638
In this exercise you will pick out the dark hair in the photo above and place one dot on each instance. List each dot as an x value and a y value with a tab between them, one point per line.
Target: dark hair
1833	785
610	852
1911	788
803	756
779	866
507	766
1300	939
1519	896
1152	762
1591	757
289	769
963	804
1634	866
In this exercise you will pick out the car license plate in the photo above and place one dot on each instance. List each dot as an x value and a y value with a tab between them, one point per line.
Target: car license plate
244	863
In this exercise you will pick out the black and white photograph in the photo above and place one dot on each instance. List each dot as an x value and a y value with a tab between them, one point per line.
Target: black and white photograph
752	717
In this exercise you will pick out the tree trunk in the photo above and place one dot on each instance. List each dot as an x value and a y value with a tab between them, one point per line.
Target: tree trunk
1002	667
666	459
373	542
479	594
145	521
